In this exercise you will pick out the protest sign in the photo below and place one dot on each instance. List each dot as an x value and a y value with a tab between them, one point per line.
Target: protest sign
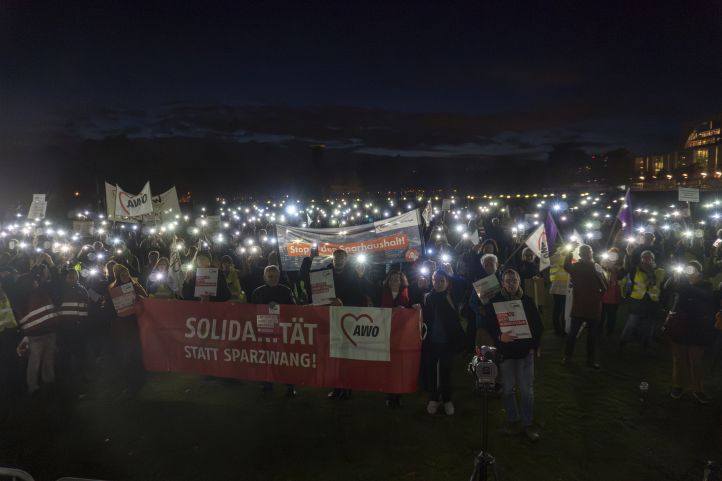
486	288
688	194
370	349
396	239
38	207
133	205
206	281
123	299
512	319
323	290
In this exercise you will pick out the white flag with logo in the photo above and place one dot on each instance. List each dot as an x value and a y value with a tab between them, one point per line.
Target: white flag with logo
130	205
362	333
537	242
166	205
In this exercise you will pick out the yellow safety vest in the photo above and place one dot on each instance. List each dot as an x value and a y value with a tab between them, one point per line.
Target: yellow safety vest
640	285
556	269
7	318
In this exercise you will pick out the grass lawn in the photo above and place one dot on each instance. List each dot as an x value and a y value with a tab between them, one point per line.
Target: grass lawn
184	427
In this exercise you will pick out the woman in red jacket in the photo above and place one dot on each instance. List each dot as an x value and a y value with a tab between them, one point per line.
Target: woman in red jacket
395	291
395	294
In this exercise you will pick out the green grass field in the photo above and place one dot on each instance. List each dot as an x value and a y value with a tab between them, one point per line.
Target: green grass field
184	427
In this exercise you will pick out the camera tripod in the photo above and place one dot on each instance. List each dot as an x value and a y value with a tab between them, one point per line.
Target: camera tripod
484	462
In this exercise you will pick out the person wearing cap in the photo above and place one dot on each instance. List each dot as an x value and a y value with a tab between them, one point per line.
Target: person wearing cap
644	305
445	338
690	327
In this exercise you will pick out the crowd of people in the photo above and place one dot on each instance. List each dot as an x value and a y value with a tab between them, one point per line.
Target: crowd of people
57	317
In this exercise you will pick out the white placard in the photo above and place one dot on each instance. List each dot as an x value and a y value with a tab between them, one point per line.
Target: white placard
688	194
512	319
323	290
123	299
487	288
206	281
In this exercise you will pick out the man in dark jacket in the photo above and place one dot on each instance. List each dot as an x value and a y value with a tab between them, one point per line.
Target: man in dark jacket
588	286
272	292
349	292
517	367
346	281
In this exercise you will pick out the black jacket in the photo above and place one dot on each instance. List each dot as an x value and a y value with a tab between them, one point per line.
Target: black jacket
266	294
440	314
520	348
696	308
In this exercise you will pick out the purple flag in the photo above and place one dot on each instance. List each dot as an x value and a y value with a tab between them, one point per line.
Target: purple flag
551	230
625	214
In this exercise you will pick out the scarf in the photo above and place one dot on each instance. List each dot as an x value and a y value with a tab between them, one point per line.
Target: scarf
402	299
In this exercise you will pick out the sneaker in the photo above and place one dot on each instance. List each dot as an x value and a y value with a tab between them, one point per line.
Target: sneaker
701	397
334	394
432	407
593	365
531	434
676	392
449	408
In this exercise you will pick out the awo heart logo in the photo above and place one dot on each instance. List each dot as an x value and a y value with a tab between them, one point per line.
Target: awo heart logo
354	321
124	196
362	333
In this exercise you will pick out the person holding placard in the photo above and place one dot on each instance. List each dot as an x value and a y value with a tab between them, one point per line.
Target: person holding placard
517	335
215	288
484	290
273	292
124	292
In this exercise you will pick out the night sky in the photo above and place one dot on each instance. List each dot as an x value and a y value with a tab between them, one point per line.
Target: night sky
222	96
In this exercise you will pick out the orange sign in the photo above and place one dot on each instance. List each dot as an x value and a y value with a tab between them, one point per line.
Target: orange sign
388	243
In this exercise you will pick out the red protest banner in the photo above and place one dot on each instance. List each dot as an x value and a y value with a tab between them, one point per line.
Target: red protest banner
361	348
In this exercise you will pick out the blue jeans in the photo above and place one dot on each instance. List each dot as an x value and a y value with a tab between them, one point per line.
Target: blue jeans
519	373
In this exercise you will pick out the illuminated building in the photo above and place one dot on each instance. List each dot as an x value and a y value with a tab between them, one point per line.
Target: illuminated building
700	157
